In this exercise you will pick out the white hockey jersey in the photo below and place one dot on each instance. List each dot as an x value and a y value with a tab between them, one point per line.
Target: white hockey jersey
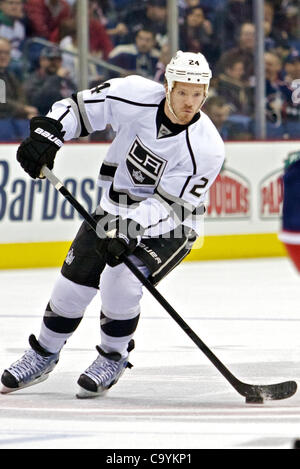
155	172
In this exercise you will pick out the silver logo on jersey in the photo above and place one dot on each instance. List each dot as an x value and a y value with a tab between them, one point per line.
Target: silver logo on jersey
163	131
145	168
70	257
138	175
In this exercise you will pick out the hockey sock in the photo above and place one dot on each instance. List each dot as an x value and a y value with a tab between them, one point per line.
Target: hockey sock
56	329
116	333
64	313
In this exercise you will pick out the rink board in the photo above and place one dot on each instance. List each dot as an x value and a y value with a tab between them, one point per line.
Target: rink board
243	208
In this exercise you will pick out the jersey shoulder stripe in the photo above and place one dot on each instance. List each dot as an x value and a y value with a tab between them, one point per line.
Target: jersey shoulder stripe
137	91
131	102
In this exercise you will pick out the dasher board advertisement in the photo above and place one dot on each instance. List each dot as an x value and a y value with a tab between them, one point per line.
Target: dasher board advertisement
243	205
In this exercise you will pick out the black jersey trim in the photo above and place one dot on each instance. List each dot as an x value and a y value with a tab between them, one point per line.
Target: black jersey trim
178	211
181	208
191	152
97	89
84	131
187	138
108	170
157	223
131	102
64	114
185	185
126	200
89	101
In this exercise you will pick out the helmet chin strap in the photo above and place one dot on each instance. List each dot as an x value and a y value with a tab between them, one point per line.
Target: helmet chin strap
168	96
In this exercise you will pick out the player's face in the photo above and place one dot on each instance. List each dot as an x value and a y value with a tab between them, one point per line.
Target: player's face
186	100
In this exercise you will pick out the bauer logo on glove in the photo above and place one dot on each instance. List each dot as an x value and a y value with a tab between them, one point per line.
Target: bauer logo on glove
49	136
40	148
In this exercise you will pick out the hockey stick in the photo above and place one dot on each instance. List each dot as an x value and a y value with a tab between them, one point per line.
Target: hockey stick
252	392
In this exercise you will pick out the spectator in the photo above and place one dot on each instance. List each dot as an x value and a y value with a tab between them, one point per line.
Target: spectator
292	80
11	25
100	44
70	59
99	41
245	49
121	5
276	38
231	86
14	113
151	16
286	20
50	82
292	67
229	17
45	17
185	4
118	32
164	59
209	8
218	111
196	34
279	108
114	15
140	58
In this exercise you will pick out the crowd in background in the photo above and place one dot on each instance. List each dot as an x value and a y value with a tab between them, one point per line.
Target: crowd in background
131	36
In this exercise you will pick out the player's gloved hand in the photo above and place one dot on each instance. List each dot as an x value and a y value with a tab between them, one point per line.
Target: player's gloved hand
40	148
123	237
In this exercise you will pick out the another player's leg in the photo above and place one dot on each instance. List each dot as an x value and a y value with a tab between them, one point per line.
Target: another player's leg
121	293
290	233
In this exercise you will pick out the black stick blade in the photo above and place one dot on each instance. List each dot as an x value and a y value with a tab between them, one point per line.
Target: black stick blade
269	392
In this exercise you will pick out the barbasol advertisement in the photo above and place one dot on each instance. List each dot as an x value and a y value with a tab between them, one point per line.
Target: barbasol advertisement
32	210
245	198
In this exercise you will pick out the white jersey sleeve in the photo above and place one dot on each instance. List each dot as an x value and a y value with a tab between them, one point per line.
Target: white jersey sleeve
92	110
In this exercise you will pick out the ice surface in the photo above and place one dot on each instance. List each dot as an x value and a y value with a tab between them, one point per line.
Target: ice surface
246	311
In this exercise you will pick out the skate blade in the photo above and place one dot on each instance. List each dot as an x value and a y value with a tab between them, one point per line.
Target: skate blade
85	394
5	390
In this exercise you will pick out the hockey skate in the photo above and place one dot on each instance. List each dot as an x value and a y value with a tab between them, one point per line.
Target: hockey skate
32	368
103	373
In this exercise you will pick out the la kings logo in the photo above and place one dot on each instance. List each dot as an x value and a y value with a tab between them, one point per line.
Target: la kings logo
145	168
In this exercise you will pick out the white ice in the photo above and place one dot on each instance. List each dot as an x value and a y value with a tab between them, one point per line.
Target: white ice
246	311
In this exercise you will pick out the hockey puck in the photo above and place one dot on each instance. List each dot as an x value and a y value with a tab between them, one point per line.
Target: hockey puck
254	400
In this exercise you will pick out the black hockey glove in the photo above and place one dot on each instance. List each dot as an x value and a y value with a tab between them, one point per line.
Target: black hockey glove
123	237
40	148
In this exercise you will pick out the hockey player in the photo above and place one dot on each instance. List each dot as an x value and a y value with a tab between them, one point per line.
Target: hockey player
290	233
164	158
